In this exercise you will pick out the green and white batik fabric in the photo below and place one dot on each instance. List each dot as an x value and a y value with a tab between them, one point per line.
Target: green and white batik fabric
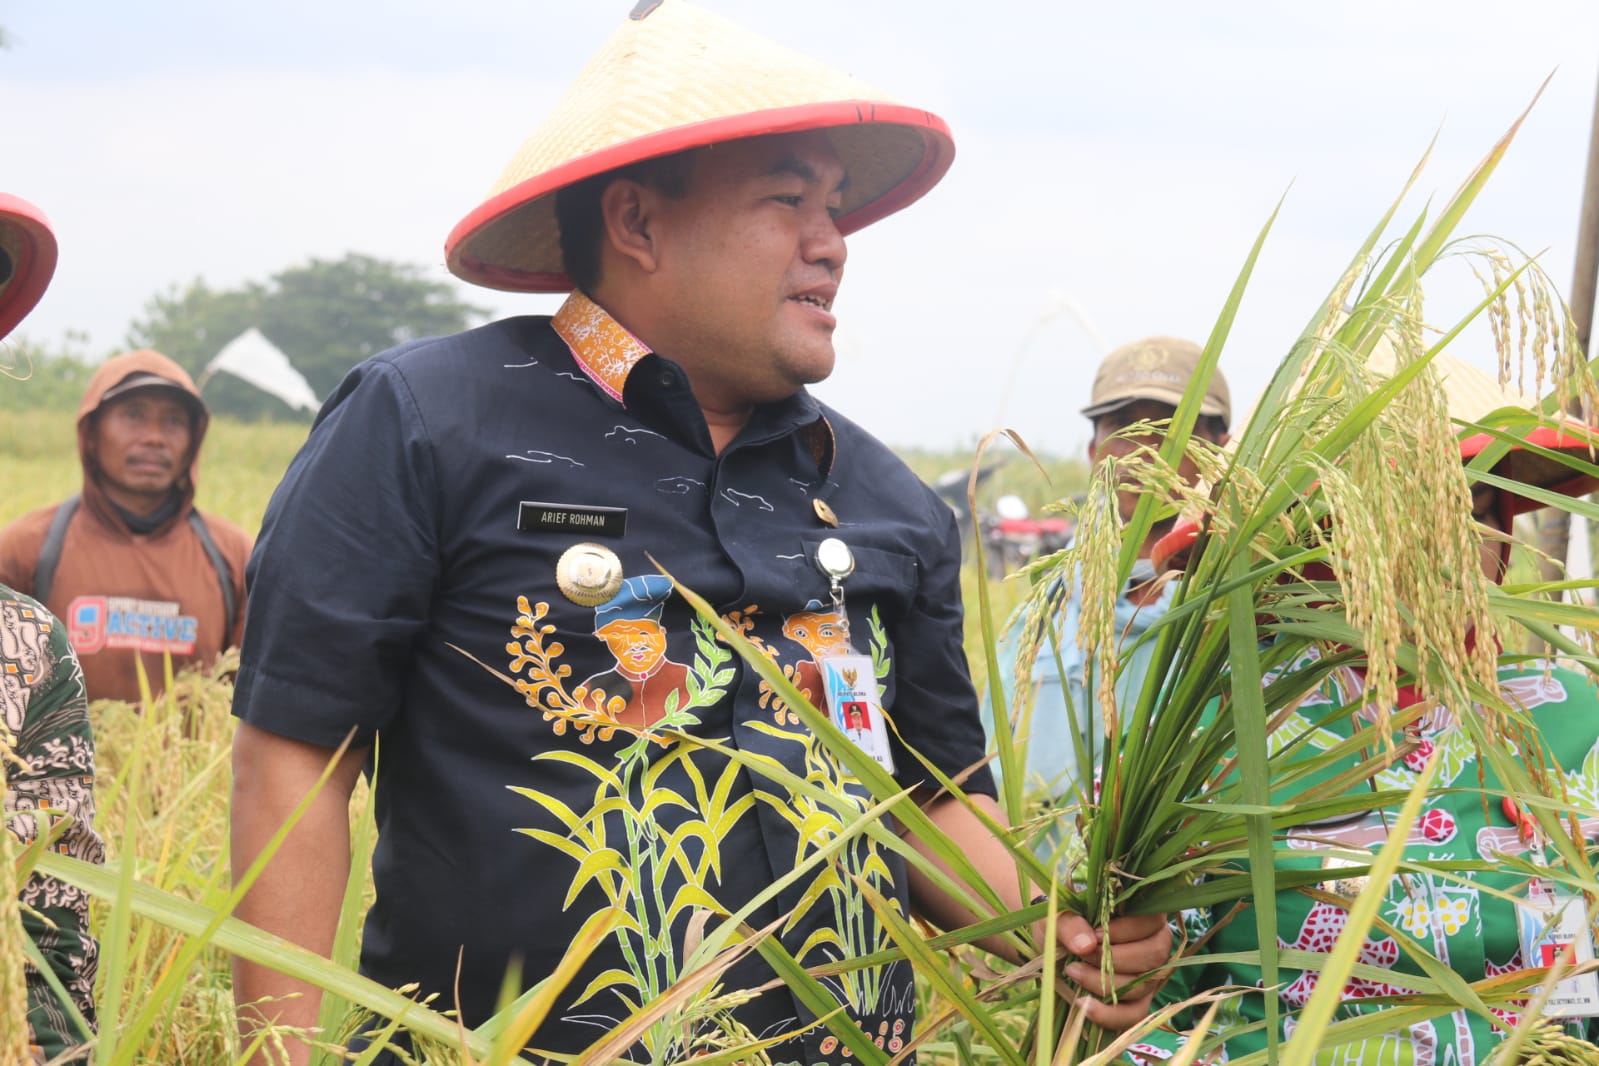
1463	922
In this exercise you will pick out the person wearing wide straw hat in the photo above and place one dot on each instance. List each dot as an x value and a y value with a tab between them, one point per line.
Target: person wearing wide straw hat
1471	922
46	744
484	493
1138	384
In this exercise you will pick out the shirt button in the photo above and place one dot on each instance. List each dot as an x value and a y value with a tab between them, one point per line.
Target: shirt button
667	379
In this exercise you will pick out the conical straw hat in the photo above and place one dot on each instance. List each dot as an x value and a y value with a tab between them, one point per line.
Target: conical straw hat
1473	396
675	77
27	259
1470	395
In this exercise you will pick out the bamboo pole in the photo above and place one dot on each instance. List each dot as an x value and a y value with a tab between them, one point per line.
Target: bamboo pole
1554	529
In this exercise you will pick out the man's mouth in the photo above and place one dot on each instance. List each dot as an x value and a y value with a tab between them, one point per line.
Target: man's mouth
819	296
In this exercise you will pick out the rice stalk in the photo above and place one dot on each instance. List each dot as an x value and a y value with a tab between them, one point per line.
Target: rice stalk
13	940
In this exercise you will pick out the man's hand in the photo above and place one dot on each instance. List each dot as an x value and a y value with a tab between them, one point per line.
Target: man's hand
1138	945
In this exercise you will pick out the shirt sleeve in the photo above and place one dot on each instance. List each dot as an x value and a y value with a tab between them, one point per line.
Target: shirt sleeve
51	792
343	573
938	715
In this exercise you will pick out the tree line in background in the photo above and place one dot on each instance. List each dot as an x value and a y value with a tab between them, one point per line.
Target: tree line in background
326	316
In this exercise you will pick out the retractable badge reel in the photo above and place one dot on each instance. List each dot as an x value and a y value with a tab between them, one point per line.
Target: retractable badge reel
849	679
1555	930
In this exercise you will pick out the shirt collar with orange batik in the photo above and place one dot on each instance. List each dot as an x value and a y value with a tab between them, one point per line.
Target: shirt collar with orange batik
607	352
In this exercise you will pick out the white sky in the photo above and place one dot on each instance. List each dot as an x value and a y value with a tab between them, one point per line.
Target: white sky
1119	158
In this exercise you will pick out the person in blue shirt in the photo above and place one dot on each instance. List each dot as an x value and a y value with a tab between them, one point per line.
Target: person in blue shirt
1140	382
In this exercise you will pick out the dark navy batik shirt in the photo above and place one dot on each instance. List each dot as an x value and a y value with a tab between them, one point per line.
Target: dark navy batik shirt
531	766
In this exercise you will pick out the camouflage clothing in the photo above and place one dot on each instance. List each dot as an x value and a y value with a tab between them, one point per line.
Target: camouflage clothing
44	722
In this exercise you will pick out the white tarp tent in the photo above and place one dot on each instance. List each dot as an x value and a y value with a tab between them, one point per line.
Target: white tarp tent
253	358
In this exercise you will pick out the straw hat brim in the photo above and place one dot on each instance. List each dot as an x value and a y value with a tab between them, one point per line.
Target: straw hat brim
29	243
892	153
1541	471
1474	396
1471	396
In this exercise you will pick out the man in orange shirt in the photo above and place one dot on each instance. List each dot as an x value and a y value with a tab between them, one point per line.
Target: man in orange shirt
130	565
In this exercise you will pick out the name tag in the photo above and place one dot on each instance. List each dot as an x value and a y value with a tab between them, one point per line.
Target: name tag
1554	928
850	682
535	517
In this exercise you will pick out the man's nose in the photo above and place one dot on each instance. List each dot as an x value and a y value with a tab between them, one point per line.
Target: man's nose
824	243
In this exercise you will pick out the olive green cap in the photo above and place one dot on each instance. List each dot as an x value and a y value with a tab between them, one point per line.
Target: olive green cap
1155	368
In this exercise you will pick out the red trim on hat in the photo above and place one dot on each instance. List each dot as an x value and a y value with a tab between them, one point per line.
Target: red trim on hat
938	152
1540	437
1170	552
1554	439
36	260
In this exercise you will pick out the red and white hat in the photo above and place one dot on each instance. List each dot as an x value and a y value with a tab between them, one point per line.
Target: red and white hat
1475	397
27	259
675	77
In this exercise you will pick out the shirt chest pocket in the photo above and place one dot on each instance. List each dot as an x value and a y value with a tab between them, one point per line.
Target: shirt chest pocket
883	583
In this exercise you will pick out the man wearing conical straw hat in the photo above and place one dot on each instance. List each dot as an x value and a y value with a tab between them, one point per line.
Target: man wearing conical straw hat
46	755
487	493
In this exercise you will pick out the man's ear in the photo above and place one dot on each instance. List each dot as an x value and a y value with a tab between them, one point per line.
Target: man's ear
627	209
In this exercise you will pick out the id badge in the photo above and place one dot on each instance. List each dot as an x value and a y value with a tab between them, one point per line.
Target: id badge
850	682
1554	928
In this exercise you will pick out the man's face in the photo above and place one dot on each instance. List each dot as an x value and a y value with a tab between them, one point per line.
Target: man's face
141	445
637	644
750	259
822	634
1106	445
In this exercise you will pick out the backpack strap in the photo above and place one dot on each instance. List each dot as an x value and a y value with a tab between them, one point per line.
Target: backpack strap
224	574
44	572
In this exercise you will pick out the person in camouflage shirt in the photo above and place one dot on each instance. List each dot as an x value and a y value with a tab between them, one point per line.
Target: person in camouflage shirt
50	768
46	746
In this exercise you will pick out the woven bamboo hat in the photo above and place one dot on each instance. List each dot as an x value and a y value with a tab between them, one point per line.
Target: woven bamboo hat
675	77
1472	396
1475	397
27	259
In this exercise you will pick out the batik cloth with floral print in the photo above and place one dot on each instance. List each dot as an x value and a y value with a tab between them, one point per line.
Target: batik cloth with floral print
50	790
1459	919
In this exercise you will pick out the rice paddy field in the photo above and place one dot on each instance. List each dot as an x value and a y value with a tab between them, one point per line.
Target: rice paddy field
164	778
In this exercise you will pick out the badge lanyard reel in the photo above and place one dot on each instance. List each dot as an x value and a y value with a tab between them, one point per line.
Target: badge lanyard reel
1554	929
849	679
